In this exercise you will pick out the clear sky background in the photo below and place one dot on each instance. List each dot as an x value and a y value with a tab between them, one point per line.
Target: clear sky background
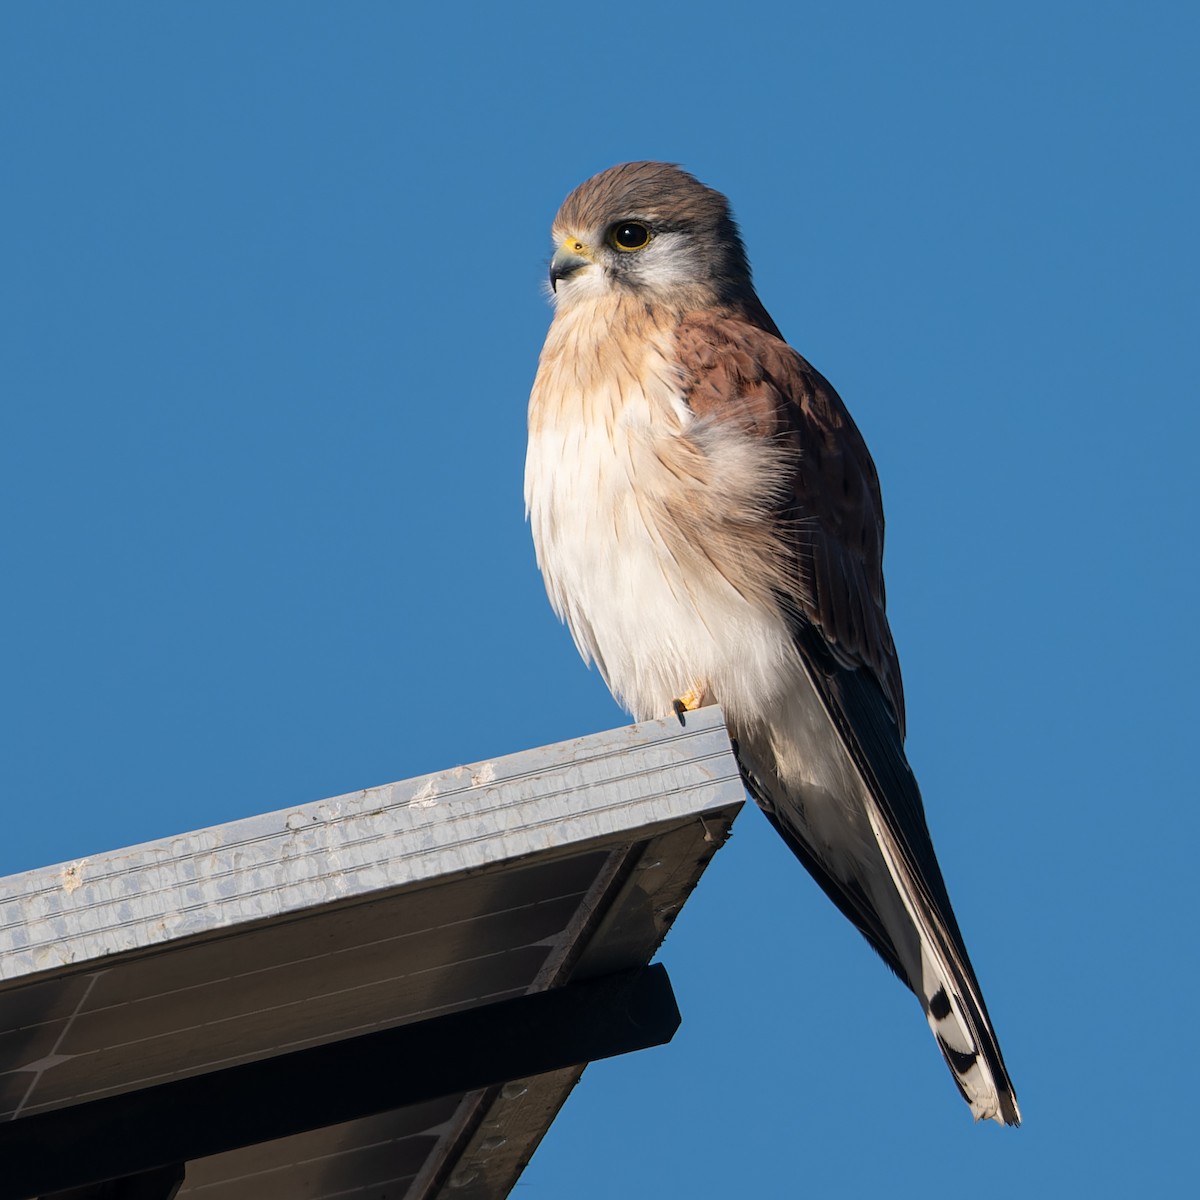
272	297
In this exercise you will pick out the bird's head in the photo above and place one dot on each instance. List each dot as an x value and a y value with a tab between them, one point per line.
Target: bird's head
650	229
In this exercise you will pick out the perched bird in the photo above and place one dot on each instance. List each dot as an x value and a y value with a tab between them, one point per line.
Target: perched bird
708	522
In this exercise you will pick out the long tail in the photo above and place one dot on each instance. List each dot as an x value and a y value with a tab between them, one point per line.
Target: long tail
903	910
950	994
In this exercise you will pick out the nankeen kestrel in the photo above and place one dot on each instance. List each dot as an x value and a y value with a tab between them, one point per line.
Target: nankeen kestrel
709	525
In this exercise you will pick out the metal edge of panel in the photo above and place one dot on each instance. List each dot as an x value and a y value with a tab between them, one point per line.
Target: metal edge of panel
348	848
498	1135
475	1106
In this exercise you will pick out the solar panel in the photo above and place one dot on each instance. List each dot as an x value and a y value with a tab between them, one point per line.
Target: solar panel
394	906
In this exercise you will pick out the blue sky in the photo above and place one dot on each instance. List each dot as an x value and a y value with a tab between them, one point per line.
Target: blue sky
272	296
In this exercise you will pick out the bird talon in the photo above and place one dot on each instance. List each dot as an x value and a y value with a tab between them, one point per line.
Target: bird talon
688	702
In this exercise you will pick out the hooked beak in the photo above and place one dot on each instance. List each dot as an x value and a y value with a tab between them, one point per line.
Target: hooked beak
570	257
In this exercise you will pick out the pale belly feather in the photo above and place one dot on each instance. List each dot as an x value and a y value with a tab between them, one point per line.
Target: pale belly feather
656	619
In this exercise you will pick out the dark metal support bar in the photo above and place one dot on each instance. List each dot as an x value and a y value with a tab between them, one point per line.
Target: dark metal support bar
172	1123
160	1184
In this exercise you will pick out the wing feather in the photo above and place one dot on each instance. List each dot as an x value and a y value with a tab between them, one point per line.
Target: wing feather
833	514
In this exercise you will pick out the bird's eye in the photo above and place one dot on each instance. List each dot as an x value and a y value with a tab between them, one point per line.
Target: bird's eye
629	235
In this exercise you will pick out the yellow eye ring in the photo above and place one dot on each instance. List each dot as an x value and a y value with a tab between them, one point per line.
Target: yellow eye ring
629	235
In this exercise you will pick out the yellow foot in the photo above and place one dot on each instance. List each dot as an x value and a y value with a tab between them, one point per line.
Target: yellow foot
691	700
